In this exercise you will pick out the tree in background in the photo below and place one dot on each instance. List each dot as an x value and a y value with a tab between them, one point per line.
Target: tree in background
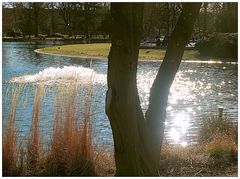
160	18
46	18
52	8
89	19
105	24
138	139
228	17
217	17
66	13
205	5
25	23
36	6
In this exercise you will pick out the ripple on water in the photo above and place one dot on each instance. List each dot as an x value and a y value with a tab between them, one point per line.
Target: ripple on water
198	89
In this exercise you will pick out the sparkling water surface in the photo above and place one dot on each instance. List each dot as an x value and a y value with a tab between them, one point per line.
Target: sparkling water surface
199	88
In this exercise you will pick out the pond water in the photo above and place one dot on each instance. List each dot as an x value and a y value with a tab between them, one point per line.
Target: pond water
198	90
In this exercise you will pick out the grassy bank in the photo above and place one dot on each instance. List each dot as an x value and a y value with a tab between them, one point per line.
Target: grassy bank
102	50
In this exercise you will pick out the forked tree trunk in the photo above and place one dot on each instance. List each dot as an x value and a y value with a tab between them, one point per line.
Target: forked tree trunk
137	142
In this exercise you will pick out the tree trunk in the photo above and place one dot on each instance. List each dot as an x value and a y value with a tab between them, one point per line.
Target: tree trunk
136	146
86	19
35	15
52	17
156	113
168	19
29	29
122	102
205	5
231	13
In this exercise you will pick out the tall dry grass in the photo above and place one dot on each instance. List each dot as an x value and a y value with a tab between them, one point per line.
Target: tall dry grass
33	148
10	152
70	150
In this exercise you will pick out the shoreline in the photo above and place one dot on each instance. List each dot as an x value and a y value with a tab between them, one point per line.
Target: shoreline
140	59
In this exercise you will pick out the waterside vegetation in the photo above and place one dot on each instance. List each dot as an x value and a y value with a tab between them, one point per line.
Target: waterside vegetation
70	150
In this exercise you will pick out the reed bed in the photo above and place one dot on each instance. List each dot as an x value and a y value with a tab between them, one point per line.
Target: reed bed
10	152
69	151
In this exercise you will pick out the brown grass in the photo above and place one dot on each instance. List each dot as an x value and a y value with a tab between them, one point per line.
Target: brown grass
218	136
214	155
194	161
70	151
9	138
222	150
212	126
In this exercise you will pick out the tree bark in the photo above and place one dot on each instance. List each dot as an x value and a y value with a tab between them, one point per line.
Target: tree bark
156	113
136	146
122	102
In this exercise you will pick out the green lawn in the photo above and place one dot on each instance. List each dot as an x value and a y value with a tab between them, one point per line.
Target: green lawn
102	50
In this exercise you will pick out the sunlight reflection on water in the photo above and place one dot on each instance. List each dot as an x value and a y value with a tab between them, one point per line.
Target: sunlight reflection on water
194	92
188	94
197	91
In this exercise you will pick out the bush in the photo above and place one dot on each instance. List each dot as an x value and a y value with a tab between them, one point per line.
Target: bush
219	45
218	136
222	149
213	126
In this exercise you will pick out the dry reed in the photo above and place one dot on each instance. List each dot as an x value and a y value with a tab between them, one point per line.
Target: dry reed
70	150
10	138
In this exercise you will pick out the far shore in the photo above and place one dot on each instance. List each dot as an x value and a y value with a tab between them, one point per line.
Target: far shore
99	51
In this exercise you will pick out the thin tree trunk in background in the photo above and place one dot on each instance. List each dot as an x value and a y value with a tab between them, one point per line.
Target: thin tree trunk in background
199	27
168	19
30	23
52	18
231	13
156	113
205	5
35	15
173	16
86	20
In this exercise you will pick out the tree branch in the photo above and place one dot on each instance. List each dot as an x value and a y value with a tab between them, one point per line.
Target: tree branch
156	112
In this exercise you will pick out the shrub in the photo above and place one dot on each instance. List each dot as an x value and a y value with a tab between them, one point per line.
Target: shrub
222	149
219	45
211	126
218	136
